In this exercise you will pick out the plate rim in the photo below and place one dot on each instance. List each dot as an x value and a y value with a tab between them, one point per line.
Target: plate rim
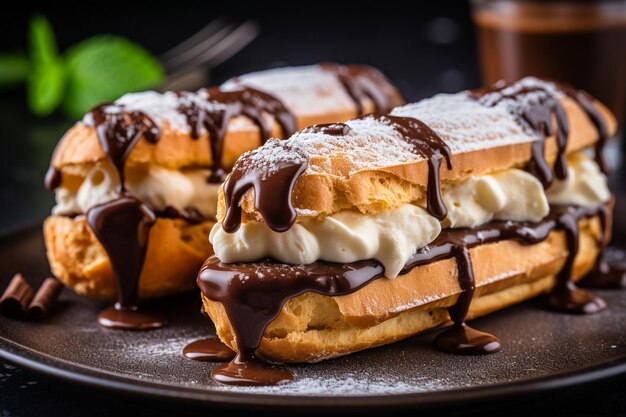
117	383
34	360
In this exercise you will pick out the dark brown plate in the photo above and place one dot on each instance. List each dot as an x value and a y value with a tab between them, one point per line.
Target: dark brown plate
542	350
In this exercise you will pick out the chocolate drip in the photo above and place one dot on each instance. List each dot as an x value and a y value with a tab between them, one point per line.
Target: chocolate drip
565	296
363	82
607	273
118	133
332	129
460	338
429	145
219	107
534	107
122	227
253	294
585	101
210	349
272	187
246	370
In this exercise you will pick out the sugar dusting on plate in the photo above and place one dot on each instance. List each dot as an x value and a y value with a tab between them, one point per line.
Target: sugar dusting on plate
352	384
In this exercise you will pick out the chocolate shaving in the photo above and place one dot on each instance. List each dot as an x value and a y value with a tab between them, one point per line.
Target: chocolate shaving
16	297
45	298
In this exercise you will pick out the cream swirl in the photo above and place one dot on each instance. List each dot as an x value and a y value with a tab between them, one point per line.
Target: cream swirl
159	187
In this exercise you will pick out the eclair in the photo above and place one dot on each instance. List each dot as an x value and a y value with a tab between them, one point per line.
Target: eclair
136	180
348	236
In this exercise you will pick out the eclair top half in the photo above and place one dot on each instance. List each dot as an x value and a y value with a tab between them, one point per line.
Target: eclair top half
367	165
311	94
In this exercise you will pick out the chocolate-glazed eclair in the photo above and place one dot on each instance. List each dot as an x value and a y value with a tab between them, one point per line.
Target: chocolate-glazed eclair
136	180
352	235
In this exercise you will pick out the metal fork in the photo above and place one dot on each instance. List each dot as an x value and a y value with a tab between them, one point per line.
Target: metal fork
187	63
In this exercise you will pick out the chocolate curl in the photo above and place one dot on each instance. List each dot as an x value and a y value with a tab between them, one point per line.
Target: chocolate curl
16	298
44	299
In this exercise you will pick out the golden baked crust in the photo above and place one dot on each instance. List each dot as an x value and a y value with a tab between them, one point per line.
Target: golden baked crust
314	327
176	250
334	186
79	149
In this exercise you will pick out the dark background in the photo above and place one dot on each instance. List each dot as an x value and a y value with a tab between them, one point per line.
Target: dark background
423	53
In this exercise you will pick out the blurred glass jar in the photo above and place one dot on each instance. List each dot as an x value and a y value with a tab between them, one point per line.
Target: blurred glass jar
579	42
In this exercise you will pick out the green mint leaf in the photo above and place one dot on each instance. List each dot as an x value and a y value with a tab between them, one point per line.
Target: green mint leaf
13	69
46	80
43	48
46	85
103	68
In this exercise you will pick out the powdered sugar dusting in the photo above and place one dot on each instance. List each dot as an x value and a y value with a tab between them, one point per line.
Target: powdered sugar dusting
532	86
465	124
159	107
350	384
521	97
418	302
369	143
307	90
269	158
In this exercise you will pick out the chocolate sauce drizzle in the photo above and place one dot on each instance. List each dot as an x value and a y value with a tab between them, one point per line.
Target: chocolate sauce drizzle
253	294
427	144
272	188
122	226
585	101
118	133
534	108
566	296
362	82
536	113
607	273
219	107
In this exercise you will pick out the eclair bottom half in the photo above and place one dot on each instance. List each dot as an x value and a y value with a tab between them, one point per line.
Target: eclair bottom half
176	250
313	327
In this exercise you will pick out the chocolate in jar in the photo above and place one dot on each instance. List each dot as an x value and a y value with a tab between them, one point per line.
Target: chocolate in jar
582	43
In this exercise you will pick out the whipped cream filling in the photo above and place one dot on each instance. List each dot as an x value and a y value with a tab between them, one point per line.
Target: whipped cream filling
585	184
158	187
392	236
508	195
